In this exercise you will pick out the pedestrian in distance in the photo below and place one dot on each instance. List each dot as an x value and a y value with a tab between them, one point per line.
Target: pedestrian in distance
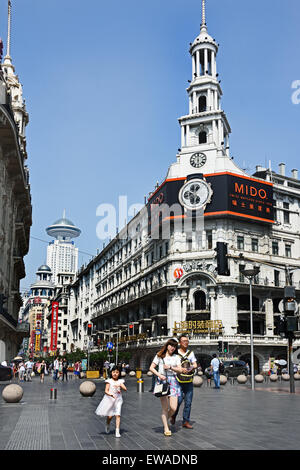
55	369
65	370
77	369
21	371
111	403
42	371
215	364
169	364
60	367
185	379
15	369
29	369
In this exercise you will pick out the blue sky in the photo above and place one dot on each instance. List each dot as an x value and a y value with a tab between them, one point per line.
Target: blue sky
105	82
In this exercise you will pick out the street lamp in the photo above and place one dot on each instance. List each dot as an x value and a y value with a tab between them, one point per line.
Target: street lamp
251	274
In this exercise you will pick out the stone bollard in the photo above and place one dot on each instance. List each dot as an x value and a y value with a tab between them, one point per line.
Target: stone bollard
297	376
223	380
12	393
197	381
285	377
242	379
149	373
87	388
259	378
132	373
273	378
123	373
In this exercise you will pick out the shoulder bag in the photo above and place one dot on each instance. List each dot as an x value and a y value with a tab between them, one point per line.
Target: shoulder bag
162	389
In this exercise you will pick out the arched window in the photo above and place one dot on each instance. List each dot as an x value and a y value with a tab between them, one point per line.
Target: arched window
202	104
202	137
200	300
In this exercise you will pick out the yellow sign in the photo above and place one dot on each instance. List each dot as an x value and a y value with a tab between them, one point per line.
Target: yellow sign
38	342
92	374
126	339
198	327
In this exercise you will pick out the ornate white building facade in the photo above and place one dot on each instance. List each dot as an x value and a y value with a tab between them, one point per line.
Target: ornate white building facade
161	285
15	205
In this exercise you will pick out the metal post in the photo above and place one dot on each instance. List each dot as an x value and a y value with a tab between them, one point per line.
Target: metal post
251	336
88	354
291	366
117	348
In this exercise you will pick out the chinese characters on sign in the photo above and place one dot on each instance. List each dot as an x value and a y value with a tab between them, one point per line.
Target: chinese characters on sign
37	340
54	322
126	339
198	327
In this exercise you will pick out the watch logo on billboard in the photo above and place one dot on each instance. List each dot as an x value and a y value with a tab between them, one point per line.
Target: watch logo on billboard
249	190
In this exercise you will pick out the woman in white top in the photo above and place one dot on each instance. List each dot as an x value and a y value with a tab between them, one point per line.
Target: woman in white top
169	365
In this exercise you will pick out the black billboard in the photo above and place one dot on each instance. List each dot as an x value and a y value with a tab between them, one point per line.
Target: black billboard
233	196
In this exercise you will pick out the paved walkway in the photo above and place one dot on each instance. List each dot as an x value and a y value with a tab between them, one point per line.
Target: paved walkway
231	418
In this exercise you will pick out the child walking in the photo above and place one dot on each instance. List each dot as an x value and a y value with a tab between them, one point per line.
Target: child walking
112	401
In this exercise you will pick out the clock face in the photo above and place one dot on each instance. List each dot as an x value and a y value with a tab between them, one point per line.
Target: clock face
195	194
198	159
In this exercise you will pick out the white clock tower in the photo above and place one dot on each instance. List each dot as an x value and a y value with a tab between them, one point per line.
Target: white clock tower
205	130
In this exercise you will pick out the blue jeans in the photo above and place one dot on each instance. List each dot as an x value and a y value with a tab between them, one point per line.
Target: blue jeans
187	396
217	379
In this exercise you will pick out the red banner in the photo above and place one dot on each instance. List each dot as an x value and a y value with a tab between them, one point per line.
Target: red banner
32	341
54	323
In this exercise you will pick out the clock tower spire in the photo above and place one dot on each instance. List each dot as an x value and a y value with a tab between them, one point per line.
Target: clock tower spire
205	129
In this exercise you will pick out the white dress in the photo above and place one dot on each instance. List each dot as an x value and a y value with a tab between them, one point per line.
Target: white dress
110	406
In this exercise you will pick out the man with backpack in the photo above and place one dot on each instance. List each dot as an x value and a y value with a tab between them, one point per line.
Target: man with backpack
185	380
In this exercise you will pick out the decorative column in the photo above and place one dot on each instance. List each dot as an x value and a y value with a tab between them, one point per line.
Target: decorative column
182	136
184	305
173	309
198	63
205	62
269	317
187	135
214	131
194	102
213	64
194	65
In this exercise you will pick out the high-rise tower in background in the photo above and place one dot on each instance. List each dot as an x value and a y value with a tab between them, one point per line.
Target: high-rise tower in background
62	255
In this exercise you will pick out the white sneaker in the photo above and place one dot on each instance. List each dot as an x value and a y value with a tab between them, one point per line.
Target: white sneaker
107	428
118	433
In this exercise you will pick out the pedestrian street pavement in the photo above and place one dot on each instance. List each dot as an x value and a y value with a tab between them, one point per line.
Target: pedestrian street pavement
233	418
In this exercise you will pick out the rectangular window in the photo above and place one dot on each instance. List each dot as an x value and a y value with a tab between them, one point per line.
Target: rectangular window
286	214
276	278
288	251
240	243
167	248
241	276
275	248
209	239
254	244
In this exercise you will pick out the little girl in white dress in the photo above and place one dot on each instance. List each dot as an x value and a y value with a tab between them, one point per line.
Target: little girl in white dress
112	401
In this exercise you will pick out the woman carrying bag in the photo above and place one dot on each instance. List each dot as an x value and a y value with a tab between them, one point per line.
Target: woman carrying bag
169	364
